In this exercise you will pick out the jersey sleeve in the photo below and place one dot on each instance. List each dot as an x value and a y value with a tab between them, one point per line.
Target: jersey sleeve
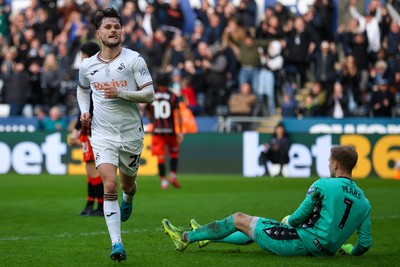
306	208
83	81
364	237
141	73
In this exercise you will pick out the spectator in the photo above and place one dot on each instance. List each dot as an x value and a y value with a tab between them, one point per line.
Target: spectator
315	102
51	82
189	97
325	60
249	59
271	64
213	65
247	10
299	47
171	17
242	104
176	54
350	79
369	23
394	14
54	122
213	30
382	101
337	105
276	151
19	90
289	105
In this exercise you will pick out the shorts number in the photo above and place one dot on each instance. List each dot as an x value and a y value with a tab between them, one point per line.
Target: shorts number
349	204
135	161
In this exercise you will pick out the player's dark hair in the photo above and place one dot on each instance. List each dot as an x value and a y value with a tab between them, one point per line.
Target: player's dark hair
346	156
90	48
162	79
109	12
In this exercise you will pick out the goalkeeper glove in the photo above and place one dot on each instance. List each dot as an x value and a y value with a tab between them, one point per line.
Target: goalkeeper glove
285	220
346	249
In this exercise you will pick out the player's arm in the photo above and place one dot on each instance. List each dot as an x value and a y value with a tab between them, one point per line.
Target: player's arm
143	95
364	239
83	95
306	207
179	121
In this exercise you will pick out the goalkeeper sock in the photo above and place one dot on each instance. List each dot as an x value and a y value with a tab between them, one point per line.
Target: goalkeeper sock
237	238
212	231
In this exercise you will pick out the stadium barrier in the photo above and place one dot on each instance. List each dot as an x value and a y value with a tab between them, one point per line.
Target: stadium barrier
208	153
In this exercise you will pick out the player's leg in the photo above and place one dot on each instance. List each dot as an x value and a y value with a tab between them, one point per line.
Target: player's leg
129	166
173	147
106	156
216	230
276	237
97	187
158	149
91	193
237	238
221	229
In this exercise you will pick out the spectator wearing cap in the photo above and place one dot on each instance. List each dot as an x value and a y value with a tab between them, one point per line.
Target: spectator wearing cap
382	101
369	22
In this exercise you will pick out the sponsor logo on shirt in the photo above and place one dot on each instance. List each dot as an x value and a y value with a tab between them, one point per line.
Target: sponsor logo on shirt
101	85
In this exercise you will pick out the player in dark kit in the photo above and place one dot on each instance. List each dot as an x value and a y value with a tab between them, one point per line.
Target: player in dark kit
80	135
161	114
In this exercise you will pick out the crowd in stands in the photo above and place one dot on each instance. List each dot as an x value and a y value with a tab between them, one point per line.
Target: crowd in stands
291	64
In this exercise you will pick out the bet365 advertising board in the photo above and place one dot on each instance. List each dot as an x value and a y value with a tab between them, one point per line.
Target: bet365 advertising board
38	152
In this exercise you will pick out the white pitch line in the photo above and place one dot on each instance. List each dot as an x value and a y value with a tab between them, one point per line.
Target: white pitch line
72	235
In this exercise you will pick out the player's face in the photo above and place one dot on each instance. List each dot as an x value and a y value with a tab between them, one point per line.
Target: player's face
110	32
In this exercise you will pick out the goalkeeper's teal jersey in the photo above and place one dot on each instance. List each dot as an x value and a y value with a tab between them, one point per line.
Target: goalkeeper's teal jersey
332	210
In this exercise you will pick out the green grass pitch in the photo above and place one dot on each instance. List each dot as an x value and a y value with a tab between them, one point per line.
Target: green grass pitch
40	225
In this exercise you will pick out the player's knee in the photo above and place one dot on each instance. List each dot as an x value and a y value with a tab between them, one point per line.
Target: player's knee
240	219
110	187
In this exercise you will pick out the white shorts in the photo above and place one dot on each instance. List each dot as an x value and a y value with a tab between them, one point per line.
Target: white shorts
124	155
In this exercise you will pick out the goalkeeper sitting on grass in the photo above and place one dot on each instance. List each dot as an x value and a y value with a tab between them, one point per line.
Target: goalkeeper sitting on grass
333	209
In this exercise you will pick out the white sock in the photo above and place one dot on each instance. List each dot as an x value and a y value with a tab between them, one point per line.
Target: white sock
112	215
128	197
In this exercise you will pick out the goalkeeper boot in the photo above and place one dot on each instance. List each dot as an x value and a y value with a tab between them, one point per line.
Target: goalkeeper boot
193	226
118	252
176	235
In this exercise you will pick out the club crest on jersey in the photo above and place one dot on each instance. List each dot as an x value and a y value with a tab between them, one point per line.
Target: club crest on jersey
121	67
101	85
311	190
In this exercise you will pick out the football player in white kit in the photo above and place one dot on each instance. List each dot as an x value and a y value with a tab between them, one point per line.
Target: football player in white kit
119	79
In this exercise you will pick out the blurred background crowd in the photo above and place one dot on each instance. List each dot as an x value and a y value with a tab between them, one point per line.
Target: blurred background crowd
229	63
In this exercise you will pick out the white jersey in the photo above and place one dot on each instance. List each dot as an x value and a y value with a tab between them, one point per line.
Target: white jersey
115	119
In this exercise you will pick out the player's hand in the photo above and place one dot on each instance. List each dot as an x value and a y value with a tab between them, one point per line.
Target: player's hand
73	138
346	249
110	92
285	220
85	119
179	137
